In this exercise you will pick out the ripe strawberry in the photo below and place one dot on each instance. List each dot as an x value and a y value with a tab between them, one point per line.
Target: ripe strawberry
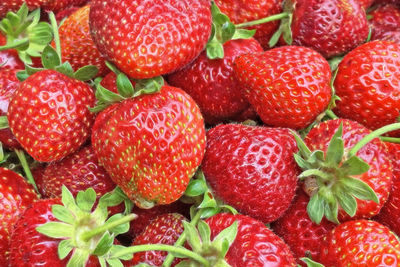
288	86
164	229
151	145
392	36
297	230
147	39
367	83
63	14
360	243
240	11
255	244
383	19
15	195
212	84
258	165
49	115
365	3
77	46
58	5
8	85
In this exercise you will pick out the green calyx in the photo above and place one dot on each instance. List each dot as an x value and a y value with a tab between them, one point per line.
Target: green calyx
125	88
25	33
284	29
330	179
311	263
85	232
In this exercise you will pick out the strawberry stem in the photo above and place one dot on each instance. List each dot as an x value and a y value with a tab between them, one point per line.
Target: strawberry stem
86	236
330	114
371	136
390	139
263	20
27	170
56	35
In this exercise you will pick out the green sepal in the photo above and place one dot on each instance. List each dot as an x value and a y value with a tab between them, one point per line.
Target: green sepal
196	187
124	85
284	29
78	258
148	86
61	213
116	248
334	62
315	208
311	263
68	200
335	151
331	211
120	229
56	230
106	96
86	73
226	238
304	151
22	75
86	199
112	67
347	202
205	232
115	262
359	189
355	166
104	245
243	34
64	248
4	122
31	70
192	236
66	69
50	58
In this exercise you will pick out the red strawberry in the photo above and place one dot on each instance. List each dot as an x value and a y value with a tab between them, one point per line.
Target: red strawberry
37	173
301	234
383	19
77	46
288	86
212	84
368	84
392	36
164	229
151	145
15	195
49	115
13	5
255	244
258	165
58	5
331	27
8	85
360	243
63	14
365	3
146	39
240	11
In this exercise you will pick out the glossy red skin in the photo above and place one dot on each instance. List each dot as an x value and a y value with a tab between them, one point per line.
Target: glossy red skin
164	229
15	195
331	27
365	3
287	86
151	145
258	168
63	14
51	109
392	36
58	5
30	248
384	18
368	84
154	38
297	230
360	243
240	11
77	46
390	213
8	85
9	58
378	177
212	83
255	245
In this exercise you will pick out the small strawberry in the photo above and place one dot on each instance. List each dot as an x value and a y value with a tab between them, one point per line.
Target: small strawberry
15	195
383	19
288	86
212	84
147	39
368	84
258	165
360	243
163	229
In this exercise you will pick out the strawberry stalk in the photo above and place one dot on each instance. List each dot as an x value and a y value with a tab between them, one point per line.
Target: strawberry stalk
390	139
279	16
25	166
54	26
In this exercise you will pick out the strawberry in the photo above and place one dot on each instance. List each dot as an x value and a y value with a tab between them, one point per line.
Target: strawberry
77	46
8	85
240	11
367	83
365	3
163	229
15	195
151	145
49	115
13	5
258	165
288	86
255	244
392	36
63	14
303	236
58	5
383	19
9	58
212	84
147	39
360	243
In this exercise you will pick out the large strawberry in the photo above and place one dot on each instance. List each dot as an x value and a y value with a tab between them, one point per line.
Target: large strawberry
367	83
383	19
288	86
16	195
360	243
212	84
149	38
258	165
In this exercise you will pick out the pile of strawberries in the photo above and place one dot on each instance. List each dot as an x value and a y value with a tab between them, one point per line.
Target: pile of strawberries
199	133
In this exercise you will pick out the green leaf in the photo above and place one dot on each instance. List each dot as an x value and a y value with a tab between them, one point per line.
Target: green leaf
22	75
4	122
120	229
31	70
347	202
228	234
204	231
334	154
104	245
65	69
62	214
192	236
112	67
275	37
56	230
86	73
196	188
208	201
228	208
227	31
354	166
148	86
116	248
208	212
243	34
68	200
102	261
107	96
315	208
78	258
359	189
40	35
214	50
316	173
124	85
114	262
304	151
50	58
331	211
64	248
311	263
86	199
